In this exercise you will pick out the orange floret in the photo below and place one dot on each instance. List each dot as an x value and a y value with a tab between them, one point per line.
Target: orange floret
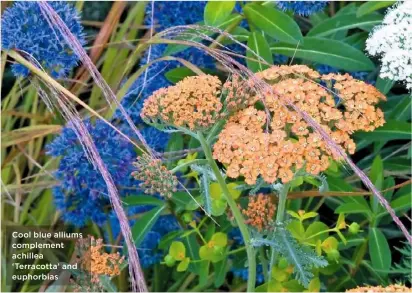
260	211
251	146
390	288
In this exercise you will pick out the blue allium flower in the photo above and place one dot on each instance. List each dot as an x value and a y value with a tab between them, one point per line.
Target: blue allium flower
24	28
148	252
304	8
155	138
243	274
166	14
173	13
82	193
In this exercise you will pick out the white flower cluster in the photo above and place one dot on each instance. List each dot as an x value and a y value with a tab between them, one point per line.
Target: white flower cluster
392	42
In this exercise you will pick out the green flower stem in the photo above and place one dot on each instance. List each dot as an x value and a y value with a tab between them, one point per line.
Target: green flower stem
280	215
236	213
282	203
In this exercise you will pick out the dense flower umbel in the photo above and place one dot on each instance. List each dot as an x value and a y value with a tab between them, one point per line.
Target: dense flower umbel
390	288
192	103
260	211
94	263
24	28
392	42
154	177
304	8
291	144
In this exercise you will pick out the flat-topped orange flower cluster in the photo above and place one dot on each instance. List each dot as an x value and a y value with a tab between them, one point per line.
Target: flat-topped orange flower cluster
98	262
251	145
192	103
265	136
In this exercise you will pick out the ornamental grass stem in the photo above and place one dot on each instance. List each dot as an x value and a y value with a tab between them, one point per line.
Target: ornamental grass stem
236	213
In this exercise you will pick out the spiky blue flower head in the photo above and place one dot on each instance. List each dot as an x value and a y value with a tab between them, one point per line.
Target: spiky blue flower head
166	14
304	8
173	13
24	28
82	193
149	253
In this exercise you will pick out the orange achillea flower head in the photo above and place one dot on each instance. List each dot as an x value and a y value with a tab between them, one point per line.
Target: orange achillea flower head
260	211
290	144
96	261
390	288
192	103
155	178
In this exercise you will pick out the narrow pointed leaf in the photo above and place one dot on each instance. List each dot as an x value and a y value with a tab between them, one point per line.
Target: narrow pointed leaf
344	22
217	11
274	23
330	52
257	43
372	6
145	223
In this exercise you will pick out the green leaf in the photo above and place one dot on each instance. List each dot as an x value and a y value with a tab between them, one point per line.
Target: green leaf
400	204
296	229
217	11
389	131
314	285
239	33
258	44
357	40
107	284
135	200
274	23
219	239
352	208
384	85
330	52
380	253
145	223
402	110
343	22
330	244
192	249
315	228
398	164
177	250
183	265
221	269
177	74
376	173
372	6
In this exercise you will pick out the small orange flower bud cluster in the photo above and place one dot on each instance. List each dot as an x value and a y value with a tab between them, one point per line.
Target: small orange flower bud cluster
260	211
390	288
290	144
154	177
192	103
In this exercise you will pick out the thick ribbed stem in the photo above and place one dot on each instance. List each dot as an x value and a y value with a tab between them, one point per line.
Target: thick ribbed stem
236	214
